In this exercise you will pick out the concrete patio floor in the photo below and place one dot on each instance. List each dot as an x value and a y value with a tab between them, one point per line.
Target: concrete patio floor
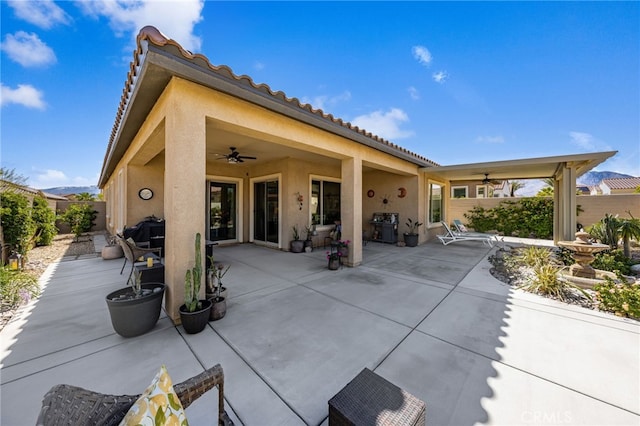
430	319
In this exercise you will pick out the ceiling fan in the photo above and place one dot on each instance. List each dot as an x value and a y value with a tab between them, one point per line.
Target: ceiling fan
487	181
234	156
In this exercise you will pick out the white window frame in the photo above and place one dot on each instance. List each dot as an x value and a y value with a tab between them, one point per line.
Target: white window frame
484	189
466	191
322	179
443	191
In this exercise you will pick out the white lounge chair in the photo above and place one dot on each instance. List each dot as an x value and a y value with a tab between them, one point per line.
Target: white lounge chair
461	229
452	236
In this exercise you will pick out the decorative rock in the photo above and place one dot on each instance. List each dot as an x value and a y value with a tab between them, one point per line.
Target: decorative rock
635	269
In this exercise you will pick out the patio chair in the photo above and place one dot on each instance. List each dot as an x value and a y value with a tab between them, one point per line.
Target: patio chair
72	405
462	230
133	252
452	237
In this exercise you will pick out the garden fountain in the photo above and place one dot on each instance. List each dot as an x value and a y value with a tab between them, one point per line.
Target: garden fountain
581	272
583	251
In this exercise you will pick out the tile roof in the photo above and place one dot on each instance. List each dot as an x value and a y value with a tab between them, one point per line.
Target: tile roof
153	35
622	183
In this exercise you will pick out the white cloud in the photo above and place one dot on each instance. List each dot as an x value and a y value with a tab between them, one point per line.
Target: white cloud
51	178
587	142
176	19
384	124
325	101
25	95
42	13
27	49
414	93
583	140
422	55
440	76
490	139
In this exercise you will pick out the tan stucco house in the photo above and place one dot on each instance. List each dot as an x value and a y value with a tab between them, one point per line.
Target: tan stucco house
183	125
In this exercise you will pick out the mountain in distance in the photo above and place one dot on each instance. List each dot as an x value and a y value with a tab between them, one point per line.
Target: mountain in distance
594	178
67	190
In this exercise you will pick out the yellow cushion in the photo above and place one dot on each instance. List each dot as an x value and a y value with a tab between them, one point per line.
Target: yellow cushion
158	404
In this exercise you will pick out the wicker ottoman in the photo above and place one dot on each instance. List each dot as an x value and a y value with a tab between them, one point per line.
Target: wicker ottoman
371	400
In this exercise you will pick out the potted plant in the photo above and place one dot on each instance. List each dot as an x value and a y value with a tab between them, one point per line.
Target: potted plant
112	250
194	314
411	237
296	245
339	249
219	302
308	242
212	289
135	309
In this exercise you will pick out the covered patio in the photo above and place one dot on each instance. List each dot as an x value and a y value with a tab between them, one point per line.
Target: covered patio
430	319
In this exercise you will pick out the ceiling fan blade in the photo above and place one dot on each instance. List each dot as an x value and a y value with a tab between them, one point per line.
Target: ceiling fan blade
246	157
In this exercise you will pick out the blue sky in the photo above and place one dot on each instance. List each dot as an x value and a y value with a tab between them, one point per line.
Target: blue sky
456	82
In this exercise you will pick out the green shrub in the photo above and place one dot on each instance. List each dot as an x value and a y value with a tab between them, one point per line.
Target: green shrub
80	218
621	299
45	221
612	261
16	287
526	217
17	225
546	282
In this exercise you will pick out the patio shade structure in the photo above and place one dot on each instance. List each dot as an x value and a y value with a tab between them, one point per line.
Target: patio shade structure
563	169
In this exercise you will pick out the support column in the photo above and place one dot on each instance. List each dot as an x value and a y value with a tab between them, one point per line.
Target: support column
568	204
351	208
184	199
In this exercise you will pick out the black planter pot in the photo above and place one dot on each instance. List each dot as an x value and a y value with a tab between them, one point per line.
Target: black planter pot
133	317
411	240
296	246
194	322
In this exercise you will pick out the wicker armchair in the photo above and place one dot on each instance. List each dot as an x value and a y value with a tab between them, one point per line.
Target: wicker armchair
72	405
133	252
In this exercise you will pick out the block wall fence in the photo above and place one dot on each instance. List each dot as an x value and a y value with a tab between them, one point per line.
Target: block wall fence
594	206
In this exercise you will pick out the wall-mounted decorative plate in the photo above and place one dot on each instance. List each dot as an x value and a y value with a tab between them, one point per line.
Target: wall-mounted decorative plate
145	193
370	193
402	192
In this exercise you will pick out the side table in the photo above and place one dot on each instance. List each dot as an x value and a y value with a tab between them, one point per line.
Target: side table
153	274
372	400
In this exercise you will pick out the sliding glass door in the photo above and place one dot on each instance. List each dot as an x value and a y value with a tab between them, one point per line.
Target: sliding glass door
265	218
223	211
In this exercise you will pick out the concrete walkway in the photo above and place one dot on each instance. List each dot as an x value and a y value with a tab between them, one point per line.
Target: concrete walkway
430	319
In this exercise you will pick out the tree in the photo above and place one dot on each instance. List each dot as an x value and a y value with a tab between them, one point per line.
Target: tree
515	185
17	224
13	177
44	219
546	191
85	196
80	218
628	229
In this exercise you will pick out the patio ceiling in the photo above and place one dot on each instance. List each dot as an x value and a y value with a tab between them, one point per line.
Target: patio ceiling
527	168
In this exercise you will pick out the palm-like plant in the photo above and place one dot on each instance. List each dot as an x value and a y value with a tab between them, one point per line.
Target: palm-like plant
628	229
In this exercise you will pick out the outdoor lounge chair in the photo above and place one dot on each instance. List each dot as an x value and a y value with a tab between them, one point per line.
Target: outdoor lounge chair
72	405
133	252
452	236
462	230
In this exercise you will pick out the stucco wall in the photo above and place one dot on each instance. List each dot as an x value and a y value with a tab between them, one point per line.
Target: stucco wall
594	206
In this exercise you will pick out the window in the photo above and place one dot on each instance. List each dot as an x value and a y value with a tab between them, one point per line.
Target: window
435	203
458	192
481	192
325	202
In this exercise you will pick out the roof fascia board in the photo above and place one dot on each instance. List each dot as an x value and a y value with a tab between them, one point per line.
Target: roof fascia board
184	68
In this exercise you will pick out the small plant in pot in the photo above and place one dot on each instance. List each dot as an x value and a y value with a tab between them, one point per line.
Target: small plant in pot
135	310
308	242
219	292
194	314
296	245
411	237
112	250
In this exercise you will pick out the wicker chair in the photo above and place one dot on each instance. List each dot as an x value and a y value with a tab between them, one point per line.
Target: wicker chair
133	252
71	405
